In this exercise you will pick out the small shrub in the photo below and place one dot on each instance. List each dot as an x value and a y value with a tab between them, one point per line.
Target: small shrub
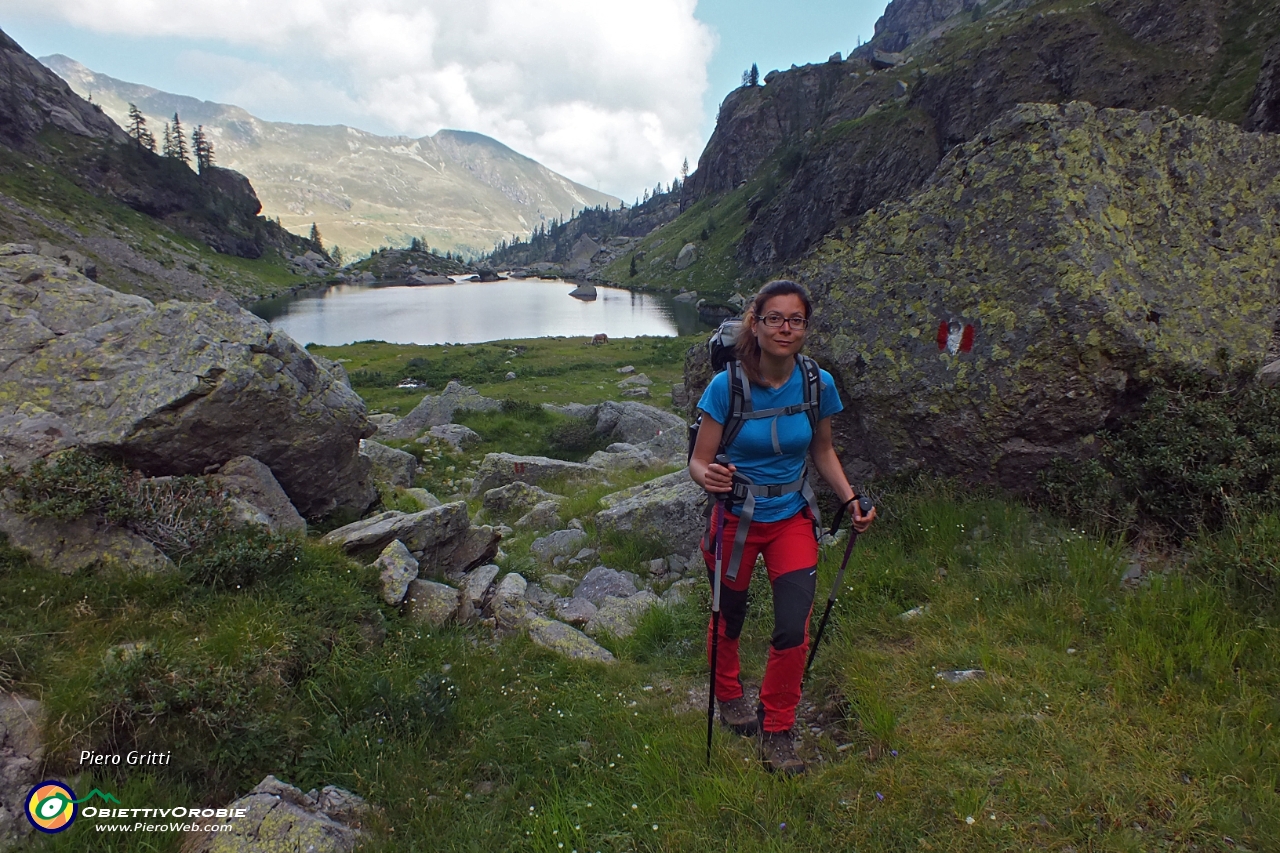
1202	450
185	517
240	558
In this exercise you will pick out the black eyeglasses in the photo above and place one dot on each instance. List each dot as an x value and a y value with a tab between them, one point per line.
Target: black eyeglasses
775	321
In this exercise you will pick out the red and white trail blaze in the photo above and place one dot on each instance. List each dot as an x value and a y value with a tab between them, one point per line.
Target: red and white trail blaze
955	337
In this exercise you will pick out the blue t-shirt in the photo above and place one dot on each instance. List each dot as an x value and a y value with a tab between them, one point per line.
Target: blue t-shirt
752	451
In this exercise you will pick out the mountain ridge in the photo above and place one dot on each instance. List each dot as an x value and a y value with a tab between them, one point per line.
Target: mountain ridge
458	190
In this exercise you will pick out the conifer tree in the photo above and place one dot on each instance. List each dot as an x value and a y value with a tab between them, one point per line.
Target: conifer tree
336	254
684	170
315	237
138	129
178	142
203	149
167	144
753	76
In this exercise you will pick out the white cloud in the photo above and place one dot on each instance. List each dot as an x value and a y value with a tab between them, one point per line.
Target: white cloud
607	93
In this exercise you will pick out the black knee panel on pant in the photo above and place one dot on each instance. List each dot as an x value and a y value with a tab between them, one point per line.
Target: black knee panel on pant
733	609
792	600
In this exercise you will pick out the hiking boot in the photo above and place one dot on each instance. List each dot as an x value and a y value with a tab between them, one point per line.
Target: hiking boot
739	716
778	752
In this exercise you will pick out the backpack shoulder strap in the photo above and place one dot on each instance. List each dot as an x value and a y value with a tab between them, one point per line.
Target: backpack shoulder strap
739	403
812	389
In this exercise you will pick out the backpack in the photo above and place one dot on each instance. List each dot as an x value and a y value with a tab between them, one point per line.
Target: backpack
720	348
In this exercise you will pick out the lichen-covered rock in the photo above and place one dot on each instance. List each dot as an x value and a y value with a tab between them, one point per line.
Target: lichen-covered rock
282	818
21	762
510	589
500	469
456	436
635	423
515	497
1017	302
396	569
574	611
419	531
618	616
475	586
620	457
424	498
247	479
603	582
565	640
430	603
557	544
389	465
70	546
173	388
479	545
668	509
440	409
560	584
543	516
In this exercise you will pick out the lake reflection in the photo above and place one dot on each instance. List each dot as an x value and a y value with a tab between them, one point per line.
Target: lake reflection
472	312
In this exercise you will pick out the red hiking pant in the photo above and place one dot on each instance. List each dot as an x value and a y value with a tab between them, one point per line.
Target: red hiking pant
791	557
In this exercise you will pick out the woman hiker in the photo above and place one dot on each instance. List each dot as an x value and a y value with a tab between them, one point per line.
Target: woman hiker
770	446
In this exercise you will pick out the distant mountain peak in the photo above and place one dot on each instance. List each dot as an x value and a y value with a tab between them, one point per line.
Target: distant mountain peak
458	190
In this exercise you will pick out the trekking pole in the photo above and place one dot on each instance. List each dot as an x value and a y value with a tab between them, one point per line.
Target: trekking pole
866	505
721	459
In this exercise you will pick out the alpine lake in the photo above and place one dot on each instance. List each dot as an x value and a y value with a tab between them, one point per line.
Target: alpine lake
474	312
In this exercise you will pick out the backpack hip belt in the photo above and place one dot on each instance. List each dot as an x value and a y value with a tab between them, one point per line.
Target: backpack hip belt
746	491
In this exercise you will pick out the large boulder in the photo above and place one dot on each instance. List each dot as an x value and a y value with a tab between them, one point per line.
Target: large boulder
21	764
436	410
247	479
668	510
1018	302
281	817
500	469
391	466
173	388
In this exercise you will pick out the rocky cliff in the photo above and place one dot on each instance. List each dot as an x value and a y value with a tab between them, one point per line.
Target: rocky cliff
828	142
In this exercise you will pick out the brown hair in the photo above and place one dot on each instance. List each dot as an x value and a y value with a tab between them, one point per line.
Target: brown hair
747	348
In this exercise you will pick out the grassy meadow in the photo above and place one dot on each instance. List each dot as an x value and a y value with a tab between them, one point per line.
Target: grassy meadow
1110	716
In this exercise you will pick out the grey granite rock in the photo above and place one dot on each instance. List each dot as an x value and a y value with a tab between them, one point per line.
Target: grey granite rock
396	569
602	582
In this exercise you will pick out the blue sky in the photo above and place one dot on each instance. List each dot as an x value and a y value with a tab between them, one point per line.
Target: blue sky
776	35
614	95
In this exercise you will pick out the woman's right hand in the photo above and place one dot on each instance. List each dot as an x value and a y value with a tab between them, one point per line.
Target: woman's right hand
719	478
